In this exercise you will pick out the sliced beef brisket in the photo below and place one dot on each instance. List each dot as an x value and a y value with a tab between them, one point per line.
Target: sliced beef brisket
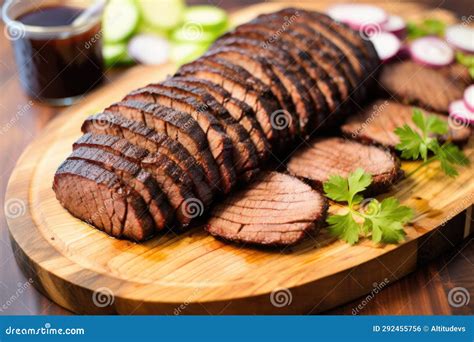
276	209
378	121
239	110
217	142
197	166
339	156
425	87
131	174
97	196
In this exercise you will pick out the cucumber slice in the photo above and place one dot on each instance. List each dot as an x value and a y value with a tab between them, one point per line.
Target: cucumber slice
164	14
211	18
116	55
120	19
182	53
192	34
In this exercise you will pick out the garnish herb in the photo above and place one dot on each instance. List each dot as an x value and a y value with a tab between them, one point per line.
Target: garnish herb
414	145
467	61
382	220
428	27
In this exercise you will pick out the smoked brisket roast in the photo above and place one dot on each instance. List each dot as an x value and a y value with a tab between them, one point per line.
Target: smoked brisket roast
160	158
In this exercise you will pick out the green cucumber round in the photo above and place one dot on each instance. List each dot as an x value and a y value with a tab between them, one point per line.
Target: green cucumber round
210	18
120	20
162	14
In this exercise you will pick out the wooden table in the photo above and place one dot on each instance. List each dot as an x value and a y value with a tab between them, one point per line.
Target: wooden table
422	292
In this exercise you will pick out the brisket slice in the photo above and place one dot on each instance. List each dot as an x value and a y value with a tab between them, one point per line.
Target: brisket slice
292	86
245	158
216	144
173	181
339	156
177	125
97	196
132	175
419	85
378	121
276	209
239	110
262	104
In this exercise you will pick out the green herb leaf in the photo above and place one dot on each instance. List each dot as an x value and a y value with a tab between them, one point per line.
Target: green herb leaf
384	220
414	145
344	227
342	189
387	224
429	27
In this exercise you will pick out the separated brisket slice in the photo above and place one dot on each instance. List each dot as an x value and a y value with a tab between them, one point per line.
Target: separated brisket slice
239	110
175	124
97	196
174	182
339	156
131	174
276	209
426	87
245	157
263	104
378	121
215	142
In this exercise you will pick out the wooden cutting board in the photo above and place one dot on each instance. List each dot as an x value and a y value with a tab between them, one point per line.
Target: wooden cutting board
87	271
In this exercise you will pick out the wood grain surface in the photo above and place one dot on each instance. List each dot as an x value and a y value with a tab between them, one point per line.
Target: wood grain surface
432	283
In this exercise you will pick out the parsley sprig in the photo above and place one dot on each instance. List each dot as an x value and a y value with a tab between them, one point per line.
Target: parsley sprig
467	61
428	27
382	220
417	144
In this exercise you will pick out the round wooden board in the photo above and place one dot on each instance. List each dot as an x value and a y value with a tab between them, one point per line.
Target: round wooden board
86	271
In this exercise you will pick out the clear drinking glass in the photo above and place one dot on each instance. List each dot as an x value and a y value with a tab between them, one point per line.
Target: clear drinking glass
56	63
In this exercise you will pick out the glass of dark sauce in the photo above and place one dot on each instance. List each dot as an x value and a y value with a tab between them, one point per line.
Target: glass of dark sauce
58	52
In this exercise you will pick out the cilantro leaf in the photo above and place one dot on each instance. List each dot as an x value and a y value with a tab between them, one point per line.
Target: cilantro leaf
384	220
387	224
344	227
429	27
411	144
450	155
414	145
342	189
337	189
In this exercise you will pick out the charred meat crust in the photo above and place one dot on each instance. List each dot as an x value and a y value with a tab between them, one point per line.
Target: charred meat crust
219	144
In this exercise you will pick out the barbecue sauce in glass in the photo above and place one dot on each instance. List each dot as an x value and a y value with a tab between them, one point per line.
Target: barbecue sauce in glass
58	66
